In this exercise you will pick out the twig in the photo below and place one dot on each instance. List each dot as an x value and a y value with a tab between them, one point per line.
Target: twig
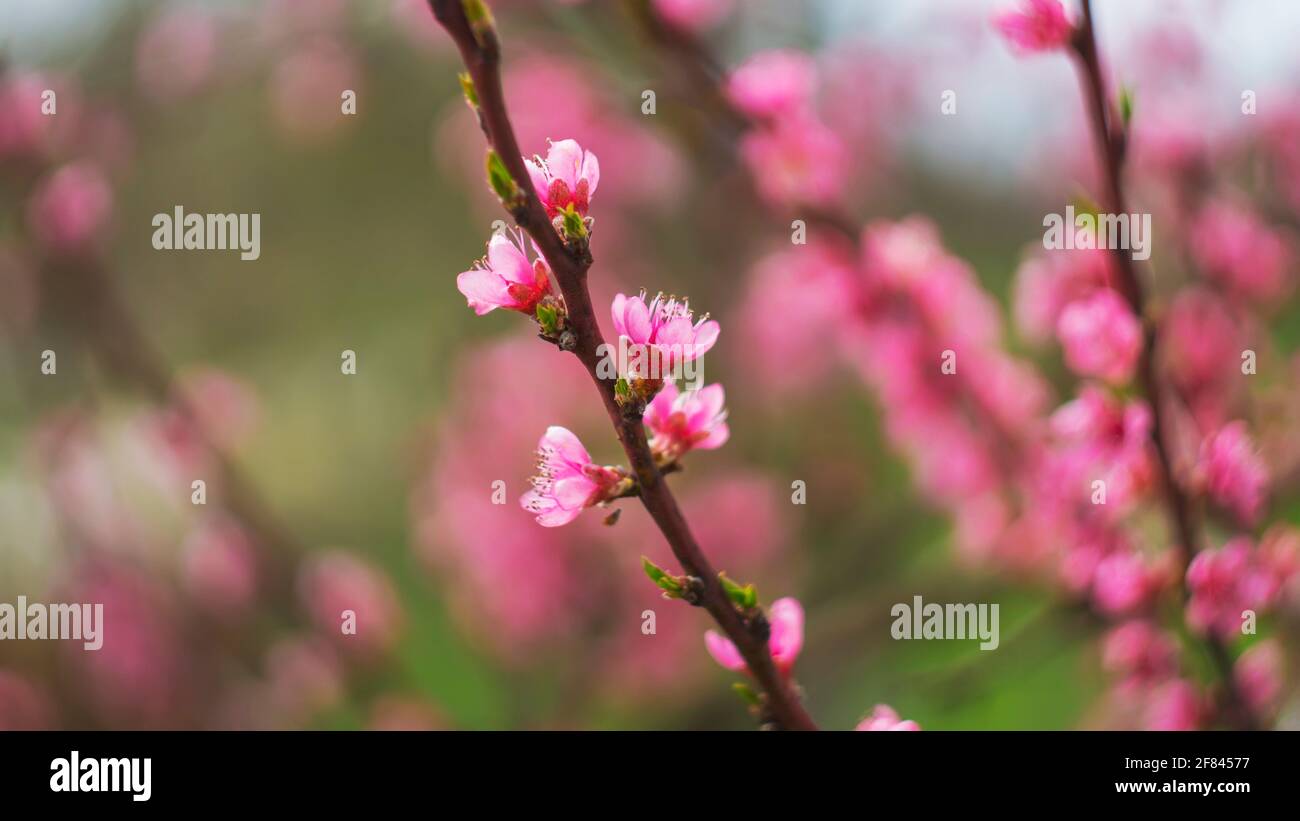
481	52
1111	140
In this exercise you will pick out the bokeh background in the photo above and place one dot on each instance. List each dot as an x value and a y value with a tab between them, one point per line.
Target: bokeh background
374	491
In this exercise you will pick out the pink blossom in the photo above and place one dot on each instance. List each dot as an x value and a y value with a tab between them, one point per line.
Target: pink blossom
336	581
1234	246
25	129
1124	581
1101	336
69	210
304	676
567	480
883	717
220	567
693	15
1141	653
1098	437
662	332
1258	674
176	54
306	89
506	279
784	643
1200	348
1047	281
568	176
796	161
1234	472
1174	706
1222	584
22	706
226	406
680	421
773	83
809	287
1038	25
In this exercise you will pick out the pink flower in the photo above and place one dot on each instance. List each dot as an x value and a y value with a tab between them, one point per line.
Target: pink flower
306	89
220	567
1175	706
662	332
1047	281
786	640
568	176
69	210
176	54
1101	336
1222	584
773	83
22	706
1258	674
1099	438
797	161
1234	246
335	582
693	15
1124	581
506	279
1038	25
689	420
1141	653
883	717
567	480
1233	471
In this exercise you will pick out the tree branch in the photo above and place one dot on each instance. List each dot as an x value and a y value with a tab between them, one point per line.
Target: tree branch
481	53
1111	139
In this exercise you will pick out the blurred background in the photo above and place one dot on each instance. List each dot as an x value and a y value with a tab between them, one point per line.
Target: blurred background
374	491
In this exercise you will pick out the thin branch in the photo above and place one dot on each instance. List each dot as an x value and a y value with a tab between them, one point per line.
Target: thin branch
1111	140
481	52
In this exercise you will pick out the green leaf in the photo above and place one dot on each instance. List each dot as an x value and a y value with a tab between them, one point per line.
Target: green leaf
547	317
574	228
1125	105
502	184
467	88
660	577
746	596
621	388
746	694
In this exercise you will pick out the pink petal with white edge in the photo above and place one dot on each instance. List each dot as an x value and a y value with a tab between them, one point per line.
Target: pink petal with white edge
564	161
538	177
708	404
508	261
590	172
484	290
566	445
717	437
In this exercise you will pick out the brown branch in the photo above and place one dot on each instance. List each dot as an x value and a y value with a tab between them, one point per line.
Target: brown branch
1111	139
481	52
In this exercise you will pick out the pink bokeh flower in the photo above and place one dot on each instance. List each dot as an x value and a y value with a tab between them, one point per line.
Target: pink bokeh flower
1101	336
220	567
884	718
307	86
784	643
1235	247
336	583
568	176
694	16
1174	706
176	54
1223	584
1258	674
1140	653
1036	25
796	161
773	83
1233	471
567	481
660	335
506	279
681	421
69	210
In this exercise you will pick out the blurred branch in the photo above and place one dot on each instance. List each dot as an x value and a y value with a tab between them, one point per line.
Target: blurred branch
480	50
1111	141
